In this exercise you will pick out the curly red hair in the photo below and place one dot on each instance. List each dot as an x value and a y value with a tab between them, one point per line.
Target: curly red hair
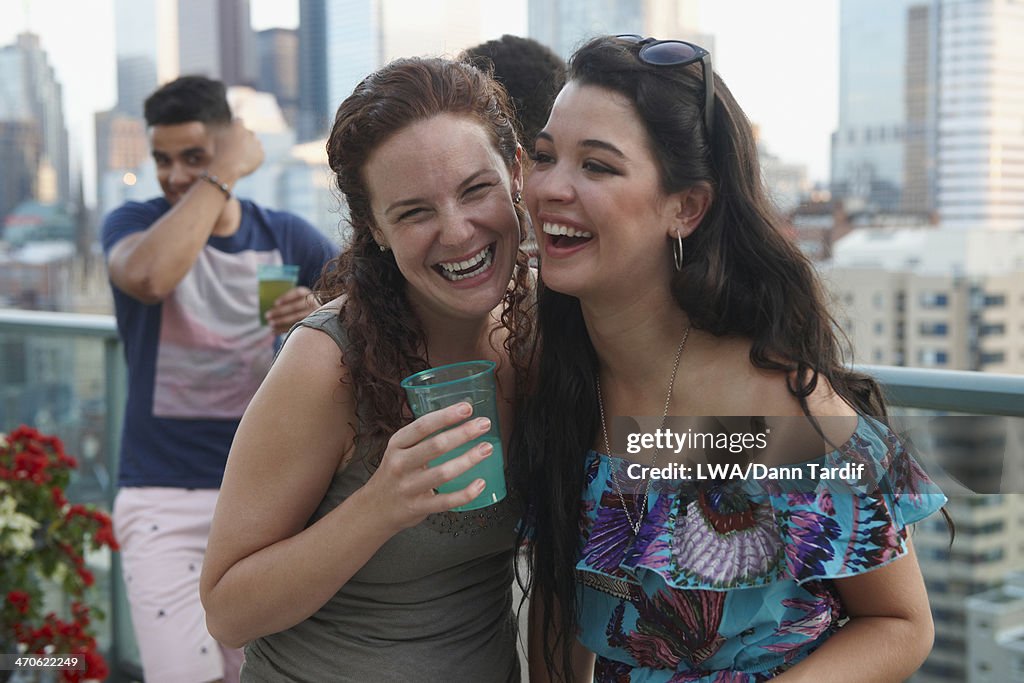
385	339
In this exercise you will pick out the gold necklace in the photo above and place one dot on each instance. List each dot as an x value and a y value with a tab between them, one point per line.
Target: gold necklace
641	508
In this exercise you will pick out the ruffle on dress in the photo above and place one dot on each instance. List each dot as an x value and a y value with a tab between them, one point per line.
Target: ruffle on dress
724	535
725	577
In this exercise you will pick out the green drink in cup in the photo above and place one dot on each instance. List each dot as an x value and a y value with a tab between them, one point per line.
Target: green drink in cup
470	382
274	280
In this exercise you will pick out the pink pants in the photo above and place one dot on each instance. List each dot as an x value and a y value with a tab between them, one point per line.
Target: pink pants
163	533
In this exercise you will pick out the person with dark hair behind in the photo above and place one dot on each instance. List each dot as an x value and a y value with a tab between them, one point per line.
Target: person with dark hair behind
531	73
183	273
662	259
332	554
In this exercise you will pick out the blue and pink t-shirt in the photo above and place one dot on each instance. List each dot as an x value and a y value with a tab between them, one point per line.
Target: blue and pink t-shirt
196	358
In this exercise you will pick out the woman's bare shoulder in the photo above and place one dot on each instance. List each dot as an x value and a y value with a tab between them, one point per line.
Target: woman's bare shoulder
738	387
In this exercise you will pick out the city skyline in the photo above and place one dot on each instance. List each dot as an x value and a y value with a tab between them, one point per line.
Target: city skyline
795	116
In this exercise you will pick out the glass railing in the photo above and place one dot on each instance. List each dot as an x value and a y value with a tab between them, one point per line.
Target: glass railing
64	374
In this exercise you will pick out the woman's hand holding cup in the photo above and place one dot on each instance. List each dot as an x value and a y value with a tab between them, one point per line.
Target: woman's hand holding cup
404	485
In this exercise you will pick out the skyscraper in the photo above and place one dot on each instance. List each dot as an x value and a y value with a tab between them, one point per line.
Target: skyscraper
995	633
215	39
29	92
868	147
314	109
19	162
146	43
564	25
980	164
159	40
929	109
239	64
354	46
278	51
919	139
362	35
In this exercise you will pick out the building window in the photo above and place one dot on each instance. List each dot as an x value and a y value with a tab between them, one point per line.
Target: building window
927	357
934	300
993	300
990	329
993	357
934	329
879	327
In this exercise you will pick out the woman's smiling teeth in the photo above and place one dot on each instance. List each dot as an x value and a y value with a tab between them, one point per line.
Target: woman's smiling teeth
556	229
474	265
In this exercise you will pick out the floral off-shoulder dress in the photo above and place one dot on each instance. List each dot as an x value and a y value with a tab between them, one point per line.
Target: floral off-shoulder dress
728	584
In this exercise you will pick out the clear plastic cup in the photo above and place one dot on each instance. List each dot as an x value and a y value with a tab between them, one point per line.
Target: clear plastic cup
274	280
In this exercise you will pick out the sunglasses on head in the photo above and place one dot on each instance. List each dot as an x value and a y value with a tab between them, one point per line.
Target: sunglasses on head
678	53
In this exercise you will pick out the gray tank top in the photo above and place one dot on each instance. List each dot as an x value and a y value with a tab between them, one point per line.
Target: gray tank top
433	604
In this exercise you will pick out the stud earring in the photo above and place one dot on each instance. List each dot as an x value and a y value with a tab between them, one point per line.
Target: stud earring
517	197
382	247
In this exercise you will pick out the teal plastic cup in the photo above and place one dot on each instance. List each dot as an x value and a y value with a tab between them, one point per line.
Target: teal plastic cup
470	382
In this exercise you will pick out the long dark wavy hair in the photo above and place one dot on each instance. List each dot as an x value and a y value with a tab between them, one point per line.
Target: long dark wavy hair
741	276
385	339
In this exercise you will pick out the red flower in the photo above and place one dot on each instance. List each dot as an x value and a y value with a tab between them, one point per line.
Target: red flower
95	666
57	494
36	472
20	600
87	578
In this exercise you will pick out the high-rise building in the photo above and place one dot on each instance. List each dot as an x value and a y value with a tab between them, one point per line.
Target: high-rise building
929	117
215	39
19	161
122	158
931	297
29	92
315	108
159	40
239	64
362	35
564	25
919	139
987	547
278	50
146	45
199	38
995	633
868	146
354	46
940	297
980	164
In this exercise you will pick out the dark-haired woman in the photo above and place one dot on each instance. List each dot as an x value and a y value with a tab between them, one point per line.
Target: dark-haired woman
331	554
668	290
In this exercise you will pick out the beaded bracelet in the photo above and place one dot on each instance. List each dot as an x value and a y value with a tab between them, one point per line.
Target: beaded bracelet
216	182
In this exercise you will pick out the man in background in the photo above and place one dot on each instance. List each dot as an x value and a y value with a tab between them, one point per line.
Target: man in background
183	273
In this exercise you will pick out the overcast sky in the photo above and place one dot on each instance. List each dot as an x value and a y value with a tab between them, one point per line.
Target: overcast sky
779	58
